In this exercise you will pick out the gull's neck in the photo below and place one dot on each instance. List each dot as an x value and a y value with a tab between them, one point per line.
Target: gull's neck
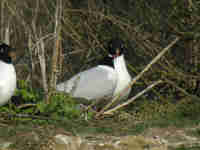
123	76
120	66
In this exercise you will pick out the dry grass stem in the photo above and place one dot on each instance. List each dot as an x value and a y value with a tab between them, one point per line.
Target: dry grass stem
42	60
133	98
57	47
26	105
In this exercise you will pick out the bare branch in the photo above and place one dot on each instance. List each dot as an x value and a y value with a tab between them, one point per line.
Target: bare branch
133	98
41	55
2	18
57	47
7	34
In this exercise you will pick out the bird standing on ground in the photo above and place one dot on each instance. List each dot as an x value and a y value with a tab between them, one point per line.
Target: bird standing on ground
107	79
7	73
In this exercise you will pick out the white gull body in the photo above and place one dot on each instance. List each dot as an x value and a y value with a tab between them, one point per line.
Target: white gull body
7	81
98	82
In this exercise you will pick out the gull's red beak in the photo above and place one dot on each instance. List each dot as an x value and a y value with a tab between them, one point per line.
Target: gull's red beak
12	54
117	54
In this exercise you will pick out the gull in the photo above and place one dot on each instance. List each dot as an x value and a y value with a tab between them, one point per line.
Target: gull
107	79
7	74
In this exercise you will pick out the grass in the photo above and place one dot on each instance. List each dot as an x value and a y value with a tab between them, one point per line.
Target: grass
110	126
194	132
132	120
183	147
150	115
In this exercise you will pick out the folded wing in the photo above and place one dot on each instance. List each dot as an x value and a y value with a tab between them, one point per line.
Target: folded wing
94	83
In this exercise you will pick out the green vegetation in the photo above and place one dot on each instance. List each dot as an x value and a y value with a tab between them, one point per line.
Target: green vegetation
64	113
183	147
29	104
63	110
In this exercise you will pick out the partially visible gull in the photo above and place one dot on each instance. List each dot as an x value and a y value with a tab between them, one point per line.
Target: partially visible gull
7	74
105	80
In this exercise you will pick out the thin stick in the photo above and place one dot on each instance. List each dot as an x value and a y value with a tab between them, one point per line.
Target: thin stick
140	74
42	61
133	98
26	105
2	20
56	50
28	116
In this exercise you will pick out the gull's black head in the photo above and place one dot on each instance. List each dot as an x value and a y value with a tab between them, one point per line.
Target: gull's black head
116	47
6	53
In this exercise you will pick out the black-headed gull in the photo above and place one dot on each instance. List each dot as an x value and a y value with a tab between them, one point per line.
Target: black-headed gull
105	80
7	74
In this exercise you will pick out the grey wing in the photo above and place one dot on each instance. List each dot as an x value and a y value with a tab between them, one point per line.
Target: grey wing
91	84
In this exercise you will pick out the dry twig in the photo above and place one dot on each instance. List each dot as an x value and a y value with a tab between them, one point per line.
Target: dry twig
57	47
133	98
